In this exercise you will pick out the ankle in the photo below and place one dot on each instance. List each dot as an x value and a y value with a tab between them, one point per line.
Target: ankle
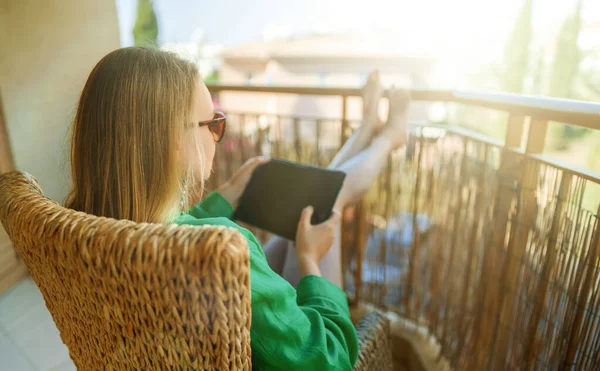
386	141
370	117
391	142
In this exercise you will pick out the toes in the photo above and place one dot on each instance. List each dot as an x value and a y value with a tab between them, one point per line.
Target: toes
401	95
399	100
374	76
372	80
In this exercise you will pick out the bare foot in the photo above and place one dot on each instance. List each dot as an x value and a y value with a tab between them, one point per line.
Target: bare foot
396	127
361	138
371	94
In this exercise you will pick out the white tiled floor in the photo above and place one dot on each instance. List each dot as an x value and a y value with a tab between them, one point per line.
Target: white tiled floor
29	339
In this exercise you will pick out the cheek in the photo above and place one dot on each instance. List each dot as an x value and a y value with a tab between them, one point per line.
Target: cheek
209	147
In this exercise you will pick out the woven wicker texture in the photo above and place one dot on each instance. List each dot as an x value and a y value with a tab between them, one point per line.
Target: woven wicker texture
375	343
133	296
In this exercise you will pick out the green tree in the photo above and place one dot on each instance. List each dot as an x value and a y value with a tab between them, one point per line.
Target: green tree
567	56
516	52
589	76
145	30
213	78
539	73
508	75
564	73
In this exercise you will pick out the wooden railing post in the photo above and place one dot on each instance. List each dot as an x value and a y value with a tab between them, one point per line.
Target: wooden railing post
361	227
345	126
536	141
278	136
487	321
514	131
361	242
319	161
297	140
516	251
415	235
260	141
384	245
509	271
472	246
242	137
453	242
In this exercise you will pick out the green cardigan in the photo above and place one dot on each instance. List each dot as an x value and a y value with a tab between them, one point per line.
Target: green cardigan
307	328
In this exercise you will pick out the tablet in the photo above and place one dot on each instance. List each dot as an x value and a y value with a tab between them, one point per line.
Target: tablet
279	190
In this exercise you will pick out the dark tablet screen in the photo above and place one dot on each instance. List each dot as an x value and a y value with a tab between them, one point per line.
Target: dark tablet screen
278	191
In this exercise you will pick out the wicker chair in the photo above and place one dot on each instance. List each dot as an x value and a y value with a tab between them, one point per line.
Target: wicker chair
128	295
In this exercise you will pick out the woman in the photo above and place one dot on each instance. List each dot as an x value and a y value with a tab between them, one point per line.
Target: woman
143	143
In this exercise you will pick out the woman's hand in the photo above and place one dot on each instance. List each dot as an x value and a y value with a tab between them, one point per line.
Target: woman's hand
233	188
314	241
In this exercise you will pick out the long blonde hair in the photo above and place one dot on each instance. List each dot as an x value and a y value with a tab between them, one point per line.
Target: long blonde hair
129	123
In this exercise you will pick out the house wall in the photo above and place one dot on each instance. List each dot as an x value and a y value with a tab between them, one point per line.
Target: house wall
47	50
318	72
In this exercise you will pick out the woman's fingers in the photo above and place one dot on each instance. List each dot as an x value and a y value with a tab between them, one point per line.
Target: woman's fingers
253	163
233	188
306	216
248	168
334	219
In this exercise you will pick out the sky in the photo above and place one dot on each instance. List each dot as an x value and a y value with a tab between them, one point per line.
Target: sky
469	34
231	22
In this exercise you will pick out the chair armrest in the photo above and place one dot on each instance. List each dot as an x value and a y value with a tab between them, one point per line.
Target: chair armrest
374	342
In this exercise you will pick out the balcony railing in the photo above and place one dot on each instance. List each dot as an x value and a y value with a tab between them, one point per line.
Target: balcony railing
491	246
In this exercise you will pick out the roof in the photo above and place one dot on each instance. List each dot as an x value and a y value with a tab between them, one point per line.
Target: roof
330	46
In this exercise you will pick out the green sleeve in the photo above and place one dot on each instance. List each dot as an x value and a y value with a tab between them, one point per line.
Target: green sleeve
307	328
304	329
212	206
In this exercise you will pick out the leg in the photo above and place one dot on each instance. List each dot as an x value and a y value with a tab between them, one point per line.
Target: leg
276	249
360	139
363	169
361	172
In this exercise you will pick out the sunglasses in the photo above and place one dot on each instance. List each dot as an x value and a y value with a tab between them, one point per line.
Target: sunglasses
216	125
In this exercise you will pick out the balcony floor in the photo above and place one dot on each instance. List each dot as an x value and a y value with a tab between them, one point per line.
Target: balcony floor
29	339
